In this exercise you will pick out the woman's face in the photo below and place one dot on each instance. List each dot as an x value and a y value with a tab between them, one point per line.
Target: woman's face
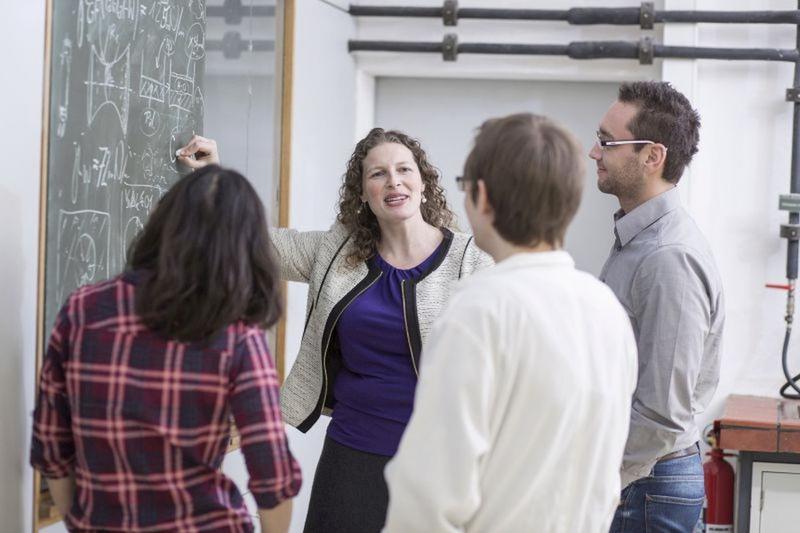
391	183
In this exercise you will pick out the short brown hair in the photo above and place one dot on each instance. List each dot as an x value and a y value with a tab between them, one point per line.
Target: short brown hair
533	170
665	116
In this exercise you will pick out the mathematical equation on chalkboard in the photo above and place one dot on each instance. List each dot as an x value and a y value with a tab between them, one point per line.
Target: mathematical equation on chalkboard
125	94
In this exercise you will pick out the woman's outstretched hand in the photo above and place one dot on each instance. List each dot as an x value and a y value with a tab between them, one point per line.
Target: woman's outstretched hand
199	152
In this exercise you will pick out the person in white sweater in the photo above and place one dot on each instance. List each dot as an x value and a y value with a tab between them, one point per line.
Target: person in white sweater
522	407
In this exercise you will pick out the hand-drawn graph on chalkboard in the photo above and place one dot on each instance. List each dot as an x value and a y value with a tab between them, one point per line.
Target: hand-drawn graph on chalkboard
126	93
83	244
109	84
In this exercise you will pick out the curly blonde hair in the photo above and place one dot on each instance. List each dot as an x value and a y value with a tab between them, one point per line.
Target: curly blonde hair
360	220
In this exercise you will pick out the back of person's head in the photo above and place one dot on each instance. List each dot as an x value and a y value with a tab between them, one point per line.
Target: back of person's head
665	116
205	258
533	170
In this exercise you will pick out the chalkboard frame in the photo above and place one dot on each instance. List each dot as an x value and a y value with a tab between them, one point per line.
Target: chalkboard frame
285	17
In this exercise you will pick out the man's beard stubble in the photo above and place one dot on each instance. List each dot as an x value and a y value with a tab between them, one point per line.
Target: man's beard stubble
627	182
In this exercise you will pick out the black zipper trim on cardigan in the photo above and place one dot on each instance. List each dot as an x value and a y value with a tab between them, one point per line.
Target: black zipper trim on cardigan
410	317
327	270
315	301
412	328
409	293
372	276
463	256
444	248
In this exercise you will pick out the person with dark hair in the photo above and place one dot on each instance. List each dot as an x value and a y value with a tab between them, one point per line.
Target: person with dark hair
663	272
377	279
144	371
523	401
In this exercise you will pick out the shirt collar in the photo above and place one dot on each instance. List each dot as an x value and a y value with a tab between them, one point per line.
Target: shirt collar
629	225
557	258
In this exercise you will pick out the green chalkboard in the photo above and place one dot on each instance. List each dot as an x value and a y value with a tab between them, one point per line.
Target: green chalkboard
125	92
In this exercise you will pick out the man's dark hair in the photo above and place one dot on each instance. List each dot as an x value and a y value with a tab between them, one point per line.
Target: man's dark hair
533	170
205	258
665	116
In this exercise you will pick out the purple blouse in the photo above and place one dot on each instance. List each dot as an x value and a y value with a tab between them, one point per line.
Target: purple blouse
374	389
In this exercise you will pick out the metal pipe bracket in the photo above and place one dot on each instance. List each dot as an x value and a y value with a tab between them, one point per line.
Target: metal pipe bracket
450	47
646	51
790	231
793	94
647	15
233	11
450	13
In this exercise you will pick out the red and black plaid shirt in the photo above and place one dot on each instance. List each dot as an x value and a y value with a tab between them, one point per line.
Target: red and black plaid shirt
143	422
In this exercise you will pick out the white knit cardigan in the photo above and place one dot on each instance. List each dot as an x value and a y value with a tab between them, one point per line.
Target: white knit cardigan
318	258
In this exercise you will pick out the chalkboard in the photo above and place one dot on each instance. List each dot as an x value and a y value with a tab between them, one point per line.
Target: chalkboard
125	91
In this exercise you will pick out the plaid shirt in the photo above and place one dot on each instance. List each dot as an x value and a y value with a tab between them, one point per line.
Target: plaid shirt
144	422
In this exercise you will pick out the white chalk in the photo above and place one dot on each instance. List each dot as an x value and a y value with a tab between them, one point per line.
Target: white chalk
178	153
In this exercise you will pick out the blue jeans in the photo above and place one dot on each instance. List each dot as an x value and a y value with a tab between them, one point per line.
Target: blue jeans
669	500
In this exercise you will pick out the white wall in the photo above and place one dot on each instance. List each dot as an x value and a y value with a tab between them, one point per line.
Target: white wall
22	31
416	106
323	116
733	184
742	167
239	115
731	188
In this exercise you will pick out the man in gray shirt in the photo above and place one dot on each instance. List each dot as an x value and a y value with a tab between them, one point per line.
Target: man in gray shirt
662	270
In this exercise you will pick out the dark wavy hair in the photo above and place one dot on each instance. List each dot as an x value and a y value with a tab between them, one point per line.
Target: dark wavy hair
205	258
360	220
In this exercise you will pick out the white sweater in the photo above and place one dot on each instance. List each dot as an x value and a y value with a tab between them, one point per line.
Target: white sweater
522	408
319	259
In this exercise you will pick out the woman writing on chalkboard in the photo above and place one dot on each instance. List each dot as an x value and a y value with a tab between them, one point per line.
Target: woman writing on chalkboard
377	279
143	372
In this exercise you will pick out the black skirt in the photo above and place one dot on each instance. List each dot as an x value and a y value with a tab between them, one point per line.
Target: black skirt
349	494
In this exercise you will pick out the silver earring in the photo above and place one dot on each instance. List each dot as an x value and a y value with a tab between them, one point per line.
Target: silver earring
424	199
360	208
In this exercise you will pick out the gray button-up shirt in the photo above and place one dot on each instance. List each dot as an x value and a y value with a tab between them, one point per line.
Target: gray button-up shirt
662	270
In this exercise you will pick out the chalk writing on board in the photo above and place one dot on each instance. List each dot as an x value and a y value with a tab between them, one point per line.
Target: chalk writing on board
78	174
196	42
109	84
150	122
136	202
111	13
83	244
166	15
64	66
126	92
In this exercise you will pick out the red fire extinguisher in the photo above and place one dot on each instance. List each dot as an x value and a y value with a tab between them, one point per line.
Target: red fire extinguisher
718	475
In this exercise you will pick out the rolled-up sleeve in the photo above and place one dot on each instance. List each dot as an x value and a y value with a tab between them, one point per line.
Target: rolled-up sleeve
671	310
274	472
52	443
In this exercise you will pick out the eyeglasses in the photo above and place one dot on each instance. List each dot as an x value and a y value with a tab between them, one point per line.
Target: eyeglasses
461	183
605	144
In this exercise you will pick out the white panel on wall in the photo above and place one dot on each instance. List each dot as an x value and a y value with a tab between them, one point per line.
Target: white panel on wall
774	497
444	114
240	116
22	28
323	126
741	168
